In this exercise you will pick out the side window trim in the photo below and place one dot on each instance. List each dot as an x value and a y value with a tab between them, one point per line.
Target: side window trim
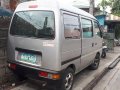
80	26
70	14
91	24
98	27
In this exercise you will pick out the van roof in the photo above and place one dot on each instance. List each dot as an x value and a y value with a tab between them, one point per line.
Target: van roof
52	4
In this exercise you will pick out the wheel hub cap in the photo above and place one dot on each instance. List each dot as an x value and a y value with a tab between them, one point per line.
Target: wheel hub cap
68	81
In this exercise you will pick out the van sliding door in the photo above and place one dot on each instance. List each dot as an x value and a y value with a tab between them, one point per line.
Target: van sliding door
71	40
98	36
87	42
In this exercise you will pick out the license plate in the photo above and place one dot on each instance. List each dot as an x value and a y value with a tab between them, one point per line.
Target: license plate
30	58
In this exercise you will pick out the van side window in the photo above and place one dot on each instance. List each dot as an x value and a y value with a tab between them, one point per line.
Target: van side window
71	27
97	29
87	28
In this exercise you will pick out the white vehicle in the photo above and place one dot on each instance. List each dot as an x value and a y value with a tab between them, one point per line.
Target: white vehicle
52	42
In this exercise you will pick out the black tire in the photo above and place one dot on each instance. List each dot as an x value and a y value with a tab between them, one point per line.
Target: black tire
68	74
96	62
103	54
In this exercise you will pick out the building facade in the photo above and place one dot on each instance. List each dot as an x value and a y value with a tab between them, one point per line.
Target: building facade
11	4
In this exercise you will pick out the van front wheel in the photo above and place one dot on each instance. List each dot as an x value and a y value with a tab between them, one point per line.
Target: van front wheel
96	62
67	79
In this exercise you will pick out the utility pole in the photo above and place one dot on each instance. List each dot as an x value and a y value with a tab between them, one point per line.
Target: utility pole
91	8
103	6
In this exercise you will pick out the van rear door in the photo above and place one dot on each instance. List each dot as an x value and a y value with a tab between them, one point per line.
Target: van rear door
32	39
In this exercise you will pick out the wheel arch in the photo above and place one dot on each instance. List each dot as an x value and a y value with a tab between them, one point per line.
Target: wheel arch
72	66
98	53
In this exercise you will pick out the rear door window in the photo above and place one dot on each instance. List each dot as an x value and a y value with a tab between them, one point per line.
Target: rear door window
37	24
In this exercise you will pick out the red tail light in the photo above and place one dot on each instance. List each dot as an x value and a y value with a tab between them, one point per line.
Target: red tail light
43	74
49	75
12	66
33	6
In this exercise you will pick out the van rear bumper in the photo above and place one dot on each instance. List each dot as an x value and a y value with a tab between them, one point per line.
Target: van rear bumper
33	73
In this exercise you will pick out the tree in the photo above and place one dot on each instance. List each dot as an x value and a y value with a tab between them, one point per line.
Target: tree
117	31
114	4
105	3
116	7
91	8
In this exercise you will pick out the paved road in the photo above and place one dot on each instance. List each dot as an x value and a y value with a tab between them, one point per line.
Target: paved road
111	81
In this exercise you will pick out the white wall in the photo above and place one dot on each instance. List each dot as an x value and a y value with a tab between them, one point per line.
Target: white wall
4	3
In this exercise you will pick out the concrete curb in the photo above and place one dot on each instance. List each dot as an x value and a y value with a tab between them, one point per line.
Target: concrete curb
92	84
114	63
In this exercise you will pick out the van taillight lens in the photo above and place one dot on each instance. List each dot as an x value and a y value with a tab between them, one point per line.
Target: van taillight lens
33	6
55	76
49	75
12	66
43	74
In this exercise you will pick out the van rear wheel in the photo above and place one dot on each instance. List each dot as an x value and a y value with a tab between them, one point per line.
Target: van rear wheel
67	79
103	53
96	62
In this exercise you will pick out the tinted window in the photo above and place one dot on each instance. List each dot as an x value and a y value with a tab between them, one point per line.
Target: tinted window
71	27
87	28
38	24
97	29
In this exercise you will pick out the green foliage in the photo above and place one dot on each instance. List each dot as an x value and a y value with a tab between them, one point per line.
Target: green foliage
105	3
114	4
117	31
116	7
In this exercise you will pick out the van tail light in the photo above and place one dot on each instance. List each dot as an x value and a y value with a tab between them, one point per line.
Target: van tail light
43	74
33	6
49	75
12	66
55	76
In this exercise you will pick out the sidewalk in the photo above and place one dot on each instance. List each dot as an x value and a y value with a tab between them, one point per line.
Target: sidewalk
86	79
111	81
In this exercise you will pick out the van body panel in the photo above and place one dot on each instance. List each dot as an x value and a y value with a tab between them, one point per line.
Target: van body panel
40	46
88	54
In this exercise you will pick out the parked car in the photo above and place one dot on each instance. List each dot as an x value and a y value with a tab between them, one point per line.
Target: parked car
52	42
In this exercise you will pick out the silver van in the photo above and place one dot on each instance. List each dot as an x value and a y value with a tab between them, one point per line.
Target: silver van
51	42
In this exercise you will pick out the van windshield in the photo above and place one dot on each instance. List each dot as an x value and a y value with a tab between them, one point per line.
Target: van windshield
38	24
